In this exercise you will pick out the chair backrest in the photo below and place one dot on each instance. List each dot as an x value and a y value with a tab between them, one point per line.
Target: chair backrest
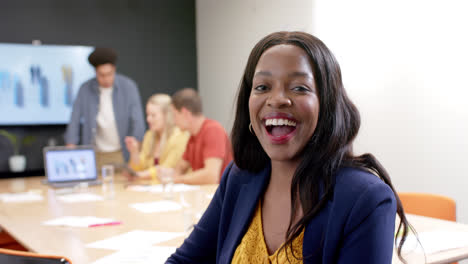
431	205
23	257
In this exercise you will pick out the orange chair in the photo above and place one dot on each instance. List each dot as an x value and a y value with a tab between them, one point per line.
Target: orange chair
8	242
431	205
20	257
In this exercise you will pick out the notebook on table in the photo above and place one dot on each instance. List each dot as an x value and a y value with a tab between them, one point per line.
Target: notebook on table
66	167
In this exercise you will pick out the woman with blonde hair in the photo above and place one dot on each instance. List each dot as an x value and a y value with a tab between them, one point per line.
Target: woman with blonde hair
163	144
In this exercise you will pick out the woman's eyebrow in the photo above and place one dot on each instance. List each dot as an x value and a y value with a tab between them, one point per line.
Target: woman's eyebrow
263	73
292	74
301	74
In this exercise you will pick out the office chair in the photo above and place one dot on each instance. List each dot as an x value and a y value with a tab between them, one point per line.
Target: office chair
8	242
431	205
21	257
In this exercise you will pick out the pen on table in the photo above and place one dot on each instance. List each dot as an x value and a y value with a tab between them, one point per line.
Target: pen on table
106	224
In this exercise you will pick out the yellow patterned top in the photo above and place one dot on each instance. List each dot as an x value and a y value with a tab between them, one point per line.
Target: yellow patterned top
170	154
253	249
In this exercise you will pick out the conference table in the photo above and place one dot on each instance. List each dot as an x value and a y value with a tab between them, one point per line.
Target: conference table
24	220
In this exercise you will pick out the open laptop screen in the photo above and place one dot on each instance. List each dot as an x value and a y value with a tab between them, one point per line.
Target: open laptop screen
68	165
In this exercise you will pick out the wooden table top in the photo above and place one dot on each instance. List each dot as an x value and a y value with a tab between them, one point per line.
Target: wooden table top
24	221
427	224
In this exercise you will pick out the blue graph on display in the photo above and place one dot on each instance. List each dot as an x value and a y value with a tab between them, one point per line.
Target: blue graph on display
38	83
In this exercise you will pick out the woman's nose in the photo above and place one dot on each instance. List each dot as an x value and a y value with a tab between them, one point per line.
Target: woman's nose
279	99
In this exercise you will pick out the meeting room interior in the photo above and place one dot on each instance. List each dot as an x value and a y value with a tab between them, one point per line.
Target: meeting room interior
66	198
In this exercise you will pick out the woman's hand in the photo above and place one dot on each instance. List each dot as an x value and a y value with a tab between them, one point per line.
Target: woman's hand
143	174
133	146
165	175
128	175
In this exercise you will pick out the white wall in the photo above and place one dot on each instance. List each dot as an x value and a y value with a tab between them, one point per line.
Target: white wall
226	33
404	64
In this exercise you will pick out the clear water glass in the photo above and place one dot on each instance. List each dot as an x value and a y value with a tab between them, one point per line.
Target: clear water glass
107	175
166	175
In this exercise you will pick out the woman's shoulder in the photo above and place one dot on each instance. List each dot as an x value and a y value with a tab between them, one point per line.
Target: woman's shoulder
356	177
178	134
356	185
176	131
148	135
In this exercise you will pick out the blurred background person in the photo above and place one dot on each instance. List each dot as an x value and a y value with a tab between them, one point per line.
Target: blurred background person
163	144
208	149
106	110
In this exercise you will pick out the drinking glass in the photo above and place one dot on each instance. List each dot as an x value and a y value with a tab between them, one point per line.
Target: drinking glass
107	175
166	175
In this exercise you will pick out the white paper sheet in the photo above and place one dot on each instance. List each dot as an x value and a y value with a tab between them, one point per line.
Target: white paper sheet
80	221
134	239
140	188
435	241
159	188
156	207
154	255
79	198
20	197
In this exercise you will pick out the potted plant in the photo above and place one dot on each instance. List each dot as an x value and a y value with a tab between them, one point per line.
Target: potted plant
17	162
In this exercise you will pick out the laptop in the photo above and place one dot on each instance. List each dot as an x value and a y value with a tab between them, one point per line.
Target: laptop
67	167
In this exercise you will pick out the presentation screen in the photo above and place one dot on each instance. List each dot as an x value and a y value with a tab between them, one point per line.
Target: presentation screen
38	83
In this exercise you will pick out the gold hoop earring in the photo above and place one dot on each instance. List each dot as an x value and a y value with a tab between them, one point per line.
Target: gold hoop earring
250	129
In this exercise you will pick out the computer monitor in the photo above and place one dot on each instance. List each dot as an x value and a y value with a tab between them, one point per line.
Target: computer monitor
70	165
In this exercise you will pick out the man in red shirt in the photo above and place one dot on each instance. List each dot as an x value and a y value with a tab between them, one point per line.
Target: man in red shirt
208	150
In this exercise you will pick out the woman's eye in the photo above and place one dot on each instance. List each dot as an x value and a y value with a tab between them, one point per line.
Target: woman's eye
260	88
300	89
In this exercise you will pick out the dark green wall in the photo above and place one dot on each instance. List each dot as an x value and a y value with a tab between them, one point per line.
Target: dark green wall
155	41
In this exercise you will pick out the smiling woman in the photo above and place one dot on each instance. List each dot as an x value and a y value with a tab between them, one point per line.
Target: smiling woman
296	192
283	103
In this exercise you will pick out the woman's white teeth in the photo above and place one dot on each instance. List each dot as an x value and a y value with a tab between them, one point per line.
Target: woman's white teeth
279	122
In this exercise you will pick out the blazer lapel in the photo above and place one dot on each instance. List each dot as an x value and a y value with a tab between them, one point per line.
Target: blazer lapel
247	201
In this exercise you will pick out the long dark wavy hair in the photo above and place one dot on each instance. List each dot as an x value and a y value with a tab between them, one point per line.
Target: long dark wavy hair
329	148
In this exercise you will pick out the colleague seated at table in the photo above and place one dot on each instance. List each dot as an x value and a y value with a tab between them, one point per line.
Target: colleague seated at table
296	192
208	149
163	144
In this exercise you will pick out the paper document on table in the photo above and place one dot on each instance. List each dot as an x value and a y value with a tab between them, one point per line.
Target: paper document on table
154	255
80	221
140	188
79	197
159	188
20	197
435	241
156	207
134	240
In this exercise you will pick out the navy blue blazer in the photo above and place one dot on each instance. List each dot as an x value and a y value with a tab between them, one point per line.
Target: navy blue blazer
356	226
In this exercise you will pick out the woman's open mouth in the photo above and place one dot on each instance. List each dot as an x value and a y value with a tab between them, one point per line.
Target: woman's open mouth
280	130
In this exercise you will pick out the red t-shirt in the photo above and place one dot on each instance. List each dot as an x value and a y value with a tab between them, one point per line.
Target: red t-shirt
210	142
